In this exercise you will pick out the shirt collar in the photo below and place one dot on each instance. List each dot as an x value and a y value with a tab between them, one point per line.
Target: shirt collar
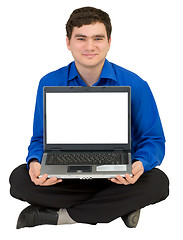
73	73
107	72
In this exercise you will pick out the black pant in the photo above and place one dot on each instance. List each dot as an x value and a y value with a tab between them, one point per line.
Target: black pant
92	201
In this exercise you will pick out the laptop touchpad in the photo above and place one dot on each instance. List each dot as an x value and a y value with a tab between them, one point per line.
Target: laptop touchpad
79	169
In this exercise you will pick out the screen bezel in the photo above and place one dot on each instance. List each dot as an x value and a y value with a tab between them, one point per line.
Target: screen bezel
87	147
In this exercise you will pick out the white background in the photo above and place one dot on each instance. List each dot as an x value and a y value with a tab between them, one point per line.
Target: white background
147	39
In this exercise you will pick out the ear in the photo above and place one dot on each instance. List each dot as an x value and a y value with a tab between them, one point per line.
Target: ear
109	43
68	43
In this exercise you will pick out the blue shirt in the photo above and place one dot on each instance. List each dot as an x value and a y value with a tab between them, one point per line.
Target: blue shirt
148	141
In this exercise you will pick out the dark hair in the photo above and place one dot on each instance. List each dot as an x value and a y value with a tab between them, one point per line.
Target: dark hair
86	16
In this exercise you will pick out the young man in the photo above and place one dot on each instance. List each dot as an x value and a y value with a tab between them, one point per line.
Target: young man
54	201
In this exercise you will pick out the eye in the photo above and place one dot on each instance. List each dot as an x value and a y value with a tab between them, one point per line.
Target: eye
81	39
98	39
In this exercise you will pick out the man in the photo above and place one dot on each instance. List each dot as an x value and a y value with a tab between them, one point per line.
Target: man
54	201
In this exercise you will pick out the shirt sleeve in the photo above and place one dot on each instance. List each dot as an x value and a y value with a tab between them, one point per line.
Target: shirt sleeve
35	149
148	141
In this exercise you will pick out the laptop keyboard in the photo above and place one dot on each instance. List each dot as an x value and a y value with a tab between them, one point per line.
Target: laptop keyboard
94	158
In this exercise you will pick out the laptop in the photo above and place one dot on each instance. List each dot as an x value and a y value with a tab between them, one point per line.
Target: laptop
87	132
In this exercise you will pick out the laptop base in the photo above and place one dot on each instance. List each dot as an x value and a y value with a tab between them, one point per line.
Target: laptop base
85	171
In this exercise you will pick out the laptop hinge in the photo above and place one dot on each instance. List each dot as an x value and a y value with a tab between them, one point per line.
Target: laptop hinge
55	149
117	150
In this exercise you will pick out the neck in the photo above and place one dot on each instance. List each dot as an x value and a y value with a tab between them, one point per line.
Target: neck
89	75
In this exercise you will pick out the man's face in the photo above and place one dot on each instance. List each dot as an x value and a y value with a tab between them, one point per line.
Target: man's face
89	45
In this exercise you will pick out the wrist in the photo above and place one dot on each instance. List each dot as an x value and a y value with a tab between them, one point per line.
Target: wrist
33	160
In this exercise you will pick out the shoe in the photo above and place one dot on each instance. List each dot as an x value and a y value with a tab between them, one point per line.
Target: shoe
34	215
131	219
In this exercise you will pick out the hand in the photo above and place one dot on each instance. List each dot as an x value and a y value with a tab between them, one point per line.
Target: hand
137	171
34	172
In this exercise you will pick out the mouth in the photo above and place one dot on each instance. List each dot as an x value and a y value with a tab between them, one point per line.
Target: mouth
89	55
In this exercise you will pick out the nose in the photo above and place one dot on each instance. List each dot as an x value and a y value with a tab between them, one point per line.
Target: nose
89	45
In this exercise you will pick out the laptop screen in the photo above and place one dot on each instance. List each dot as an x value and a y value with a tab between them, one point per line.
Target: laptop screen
87	118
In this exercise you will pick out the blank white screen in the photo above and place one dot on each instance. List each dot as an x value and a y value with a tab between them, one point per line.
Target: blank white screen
87	118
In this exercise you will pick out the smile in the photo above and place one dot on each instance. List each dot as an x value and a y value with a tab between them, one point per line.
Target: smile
89	55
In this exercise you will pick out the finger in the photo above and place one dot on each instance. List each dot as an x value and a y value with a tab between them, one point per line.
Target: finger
122	180
133	179
130	180
115	181
119	180
51	181
40	181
